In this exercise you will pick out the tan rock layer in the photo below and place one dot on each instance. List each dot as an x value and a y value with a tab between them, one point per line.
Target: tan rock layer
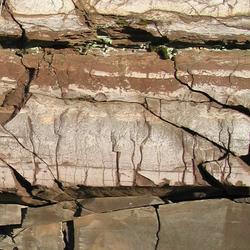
127	22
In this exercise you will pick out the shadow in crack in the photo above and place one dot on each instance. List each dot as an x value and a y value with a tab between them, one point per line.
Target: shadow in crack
22	181
246	158
69	235
215	189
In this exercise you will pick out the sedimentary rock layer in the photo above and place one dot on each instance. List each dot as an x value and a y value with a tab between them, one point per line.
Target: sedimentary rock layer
176	226
124	118
118	118
127	22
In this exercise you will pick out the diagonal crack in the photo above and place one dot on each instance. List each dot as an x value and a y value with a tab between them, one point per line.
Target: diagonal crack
59	184
239	108
25	185
228	191
188	130
23	39
27	149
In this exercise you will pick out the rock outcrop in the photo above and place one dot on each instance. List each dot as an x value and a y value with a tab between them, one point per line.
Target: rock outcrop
185	225
124	118
104	99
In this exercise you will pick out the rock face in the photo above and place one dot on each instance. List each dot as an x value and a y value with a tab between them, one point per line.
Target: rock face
185	225
124	119
74	21
111	110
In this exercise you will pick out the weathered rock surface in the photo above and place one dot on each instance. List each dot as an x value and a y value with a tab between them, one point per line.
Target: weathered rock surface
47	236
185	225
10	214
107	231
127	22
123	119
52	214
112	113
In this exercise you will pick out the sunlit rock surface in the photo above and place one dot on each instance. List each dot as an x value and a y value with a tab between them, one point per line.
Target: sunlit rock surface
124	124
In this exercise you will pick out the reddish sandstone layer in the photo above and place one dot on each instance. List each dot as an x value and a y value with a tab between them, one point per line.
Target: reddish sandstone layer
124	118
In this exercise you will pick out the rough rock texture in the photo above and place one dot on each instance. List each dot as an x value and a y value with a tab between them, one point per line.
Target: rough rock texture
124	118
114	112
100	230
74	21
185	225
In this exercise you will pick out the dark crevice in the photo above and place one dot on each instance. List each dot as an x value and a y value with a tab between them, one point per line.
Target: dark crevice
190	193
227	191
167	193
158	227
246	158
208	177
141	35
69	236
20	179
23	213
20	43
135	36
8	231
78	210
59	184
10	197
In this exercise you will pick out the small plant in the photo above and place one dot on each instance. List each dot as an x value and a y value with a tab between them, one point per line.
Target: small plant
105	39
164	52
34	50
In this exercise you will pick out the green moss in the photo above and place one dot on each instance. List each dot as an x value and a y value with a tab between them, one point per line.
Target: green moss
163	51
105	40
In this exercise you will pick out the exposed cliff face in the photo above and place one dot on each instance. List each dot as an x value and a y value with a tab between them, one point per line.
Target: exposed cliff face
127	22
119	98
123	117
